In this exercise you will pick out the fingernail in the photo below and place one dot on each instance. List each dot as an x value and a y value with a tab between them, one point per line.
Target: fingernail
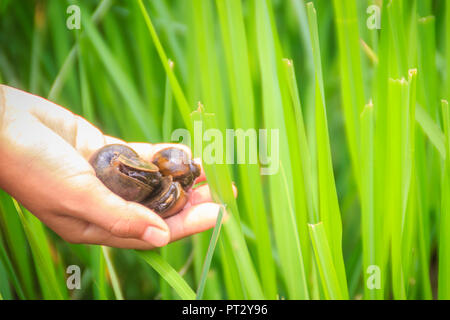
156	237
226	215
235	190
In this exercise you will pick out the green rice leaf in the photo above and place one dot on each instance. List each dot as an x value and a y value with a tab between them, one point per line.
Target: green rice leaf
168	273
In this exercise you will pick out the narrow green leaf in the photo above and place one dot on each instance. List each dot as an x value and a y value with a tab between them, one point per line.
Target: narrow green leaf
250	187
444	239
124	85
324	260
112	273
209	255
328	202
369	225
182	103
431	129
168	273
41	254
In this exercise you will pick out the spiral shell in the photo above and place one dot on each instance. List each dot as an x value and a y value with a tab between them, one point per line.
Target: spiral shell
161	185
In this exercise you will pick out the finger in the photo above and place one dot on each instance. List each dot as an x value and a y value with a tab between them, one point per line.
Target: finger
193	219
78	231
203	194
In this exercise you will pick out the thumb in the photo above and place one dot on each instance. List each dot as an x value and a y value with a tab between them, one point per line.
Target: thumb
90	200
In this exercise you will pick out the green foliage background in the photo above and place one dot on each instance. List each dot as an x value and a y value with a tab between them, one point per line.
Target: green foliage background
364	142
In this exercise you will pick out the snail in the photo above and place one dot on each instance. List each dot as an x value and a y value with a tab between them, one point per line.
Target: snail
161	185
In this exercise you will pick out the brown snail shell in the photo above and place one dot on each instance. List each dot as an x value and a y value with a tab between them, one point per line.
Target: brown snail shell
126	174
170	199
177	163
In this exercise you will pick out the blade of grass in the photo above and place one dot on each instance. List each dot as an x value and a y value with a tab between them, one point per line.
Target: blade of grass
168	273
352	86
397	181
62	41
431	129
167	132
240	82
395	15
162	11
182	103
168	109
427	67
381	141
124	85
5	290
292	265
211	93
97	263
6	262
447	48
230	272
147	73
16	241
426	158
86	101
368	224
444	239
209	255
328	201
219	182
36	47
428	83
305	159
41	254
409	196
325	263
112	273
306	184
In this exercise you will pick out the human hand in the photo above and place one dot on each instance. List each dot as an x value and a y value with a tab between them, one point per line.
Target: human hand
44	150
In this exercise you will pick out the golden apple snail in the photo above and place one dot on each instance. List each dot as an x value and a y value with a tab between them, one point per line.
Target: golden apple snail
160	185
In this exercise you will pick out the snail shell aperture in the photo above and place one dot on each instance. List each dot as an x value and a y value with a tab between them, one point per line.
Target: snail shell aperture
161	185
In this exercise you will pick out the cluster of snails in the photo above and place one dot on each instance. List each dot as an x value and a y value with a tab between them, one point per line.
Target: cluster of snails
160	185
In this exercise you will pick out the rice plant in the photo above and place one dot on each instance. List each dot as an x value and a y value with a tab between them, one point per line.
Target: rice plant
356	206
